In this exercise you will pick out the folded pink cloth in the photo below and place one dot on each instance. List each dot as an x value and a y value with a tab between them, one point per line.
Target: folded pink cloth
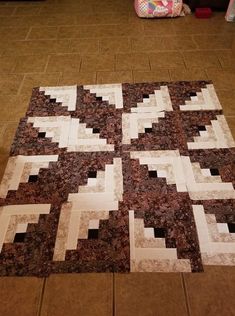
230	15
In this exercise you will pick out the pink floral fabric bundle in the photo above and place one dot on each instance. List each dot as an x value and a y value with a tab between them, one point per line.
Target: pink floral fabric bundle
156	8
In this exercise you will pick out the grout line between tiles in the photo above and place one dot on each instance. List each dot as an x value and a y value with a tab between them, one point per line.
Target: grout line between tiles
47	62
9	122
21	85
2	129
27	35
96	77
39	10
185	294
228	115
60	77
41	297
149	63
132	76
99	46
14	11
114	312
131	44
169	73
194	41
80	64
220	62
115	62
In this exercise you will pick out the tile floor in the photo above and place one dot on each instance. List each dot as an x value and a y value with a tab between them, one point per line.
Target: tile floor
81	42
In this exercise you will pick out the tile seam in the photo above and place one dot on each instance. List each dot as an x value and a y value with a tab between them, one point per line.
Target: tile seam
47	62
194	41
96	77
41	297
27	35
21	85
114	293
187	305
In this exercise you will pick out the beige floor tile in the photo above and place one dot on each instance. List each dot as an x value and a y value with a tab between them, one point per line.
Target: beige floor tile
84	46
47	20
48	32
220	25
13	107
227	59
125	30
101	18
104	77
212	292
20	296
110	7
36	47
7	64
61	19
148	76
222	79
98	62
231	123
115	45
38	80
79	78
188	27
227	98
233	45
166	60
111	18
100	31
158	27
10	21
192	25
134	61
87	19
64	62
221	41
1	126
201	59
1	51
30	64
81	31
13	33
188	74
78	295
148	294
9	84
7	138
27	10
6	11
166	43
132	13
66	8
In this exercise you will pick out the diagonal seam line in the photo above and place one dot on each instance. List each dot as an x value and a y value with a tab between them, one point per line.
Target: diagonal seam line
41	297
114	312
185	294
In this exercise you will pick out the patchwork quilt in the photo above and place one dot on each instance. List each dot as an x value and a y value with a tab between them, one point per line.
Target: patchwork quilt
119	178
